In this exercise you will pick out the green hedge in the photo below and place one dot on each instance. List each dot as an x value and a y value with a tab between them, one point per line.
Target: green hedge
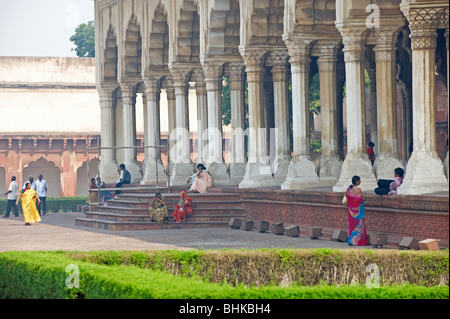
28	275
54	204
307	267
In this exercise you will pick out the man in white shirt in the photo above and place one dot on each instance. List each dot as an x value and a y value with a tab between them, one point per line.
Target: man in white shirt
12	197
41	190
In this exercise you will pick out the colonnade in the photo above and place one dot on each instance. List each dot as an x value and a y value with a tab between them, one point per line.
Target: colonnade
147	46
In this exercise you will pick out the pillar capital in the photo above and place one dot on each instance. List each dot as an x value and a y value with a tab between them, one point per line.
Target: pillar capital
299	51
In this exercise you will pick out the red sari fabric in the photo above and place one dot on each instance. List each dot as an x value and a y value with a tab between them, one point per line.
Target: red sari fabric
184	207
357	235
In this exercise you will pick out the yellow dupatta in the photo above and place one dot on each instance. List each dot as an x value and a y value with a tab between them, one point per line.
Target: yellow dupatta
30	212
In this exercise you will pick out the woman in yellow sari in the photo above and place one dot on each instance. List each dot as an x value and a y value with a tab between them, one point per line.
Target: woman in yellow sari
29	210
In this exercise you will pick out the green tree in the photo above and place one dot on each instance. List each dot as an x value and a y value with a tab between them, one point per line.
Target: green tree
84	40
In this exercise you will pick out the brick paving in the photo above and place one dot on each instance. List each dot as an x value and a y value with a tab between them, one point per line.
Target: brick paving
58	231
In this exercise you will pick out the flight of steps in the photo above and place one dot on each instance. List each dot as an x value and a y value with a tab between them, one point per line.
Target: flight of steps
130	211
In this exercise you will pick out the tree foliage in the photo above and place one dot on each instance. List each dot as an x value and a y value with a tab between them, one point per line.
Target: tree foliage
84	40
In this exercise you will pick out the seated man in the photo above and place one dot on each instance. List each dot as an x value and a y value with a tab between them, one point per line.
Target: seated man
125	178
388	186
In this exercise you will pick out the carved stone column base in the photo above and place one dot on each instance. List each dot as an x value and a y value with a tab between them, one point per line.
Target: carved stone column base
108	172
329	170
280	170
236	172
134	170
149	169
424	175
356	164
384	166
180	173
219	174
258	175
302	174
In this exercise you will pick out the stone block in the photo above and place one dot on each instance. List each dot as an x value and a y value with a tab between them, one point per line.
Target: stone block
262	226
316	232
378	239
292	231
247	225
409	243
277	229
429	244
339	235
235	223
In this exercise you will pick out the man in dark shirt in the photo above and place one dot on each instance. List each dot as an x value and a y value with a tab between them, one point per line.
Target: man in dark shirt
125	177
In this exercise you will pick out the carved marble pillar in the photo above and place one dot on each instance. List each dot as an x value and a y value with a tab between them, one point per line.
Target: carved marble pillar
182	167
258	171
214	162
302	171
171	110
152	163
108	166
330	163
282	137
238	162
202	121
388	152
425	171
129	153
356	161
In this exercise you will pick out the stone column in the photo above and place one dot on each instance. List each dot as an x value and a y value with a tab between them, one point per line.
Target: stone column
388	157
202	121
214	162
171	110
128	102
281	109
425	171
152	164
330	163
302	172
257	172
108	166
356	161
238	161
182	166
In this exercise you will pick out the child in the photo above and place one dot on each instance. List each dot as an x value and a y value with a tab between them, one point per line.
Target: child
370	152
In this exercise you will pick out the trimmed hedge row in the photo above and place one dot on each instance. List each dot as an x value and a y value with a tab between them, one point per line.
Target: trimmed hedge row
43	275
286	267
54	204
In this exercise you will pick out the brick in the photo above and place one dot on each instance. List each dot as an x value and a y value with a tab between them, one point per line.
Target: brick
409	243
316	232
262	226
378	239
235	223
339	235
277	229
429	244
292	231
247	225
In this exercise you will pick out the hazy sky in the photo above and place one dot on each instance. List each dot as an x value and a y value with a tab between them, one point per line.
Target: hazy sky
41	27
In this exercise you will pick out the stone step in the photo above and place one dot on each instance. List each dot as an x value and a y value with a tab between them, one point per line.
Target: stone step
133	226
171	203
145	218
143	211
175	197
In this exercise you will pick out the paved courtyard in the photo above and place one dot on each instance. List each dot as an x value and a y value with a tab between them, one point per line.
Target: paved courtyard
57	231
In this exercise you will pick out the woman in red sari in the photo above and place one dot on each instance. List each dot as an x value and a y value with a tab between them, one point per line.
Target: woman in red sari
356	225
184	207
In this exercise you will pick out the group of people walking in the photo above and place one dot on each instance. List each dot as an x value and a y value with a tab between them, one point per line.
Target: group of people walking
33	197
